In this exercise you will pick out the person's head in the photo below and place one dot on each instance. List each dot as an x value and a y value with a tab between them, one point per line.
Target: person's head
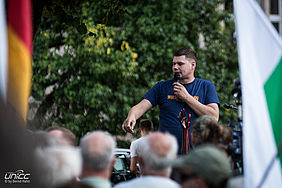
226	138
145	126
226	135
42	139
155	151
97	149
58	164
205	130
184	62
205	166
63	135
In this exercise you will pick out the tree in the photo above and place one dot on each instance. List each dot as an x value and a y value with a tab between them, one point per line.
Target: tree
100	59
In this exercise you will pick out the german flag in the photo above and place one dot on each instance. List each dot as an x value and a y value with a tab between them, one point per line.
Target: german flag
19	31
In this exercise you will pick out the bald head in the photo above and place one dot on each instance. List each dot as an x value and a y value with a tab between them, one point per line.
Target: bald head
160	144
156	150
97	150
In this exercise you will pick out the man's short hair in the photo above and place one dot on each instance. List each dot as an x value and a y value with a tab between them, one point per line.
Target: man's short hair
146	125
97	155
188	52
67	134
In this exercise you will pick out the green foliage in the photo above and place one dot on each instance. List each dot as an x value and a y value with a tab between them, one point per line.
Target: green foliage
99	60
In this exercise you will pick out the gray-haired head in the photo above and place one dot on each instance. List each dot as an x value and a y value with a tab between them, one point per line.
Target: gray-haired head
58	165
97	149
156	150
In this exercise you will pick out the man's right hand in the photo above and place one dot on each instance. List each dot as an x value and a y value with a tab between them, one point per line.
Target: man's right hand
128	125
135	112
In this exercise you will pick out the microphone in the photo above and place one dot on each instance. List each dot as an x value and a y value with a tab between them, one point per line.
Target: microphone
229	106
176	77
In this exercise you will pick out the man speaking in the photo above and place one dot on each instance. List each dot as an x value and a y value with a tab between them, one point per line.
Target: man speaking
181	100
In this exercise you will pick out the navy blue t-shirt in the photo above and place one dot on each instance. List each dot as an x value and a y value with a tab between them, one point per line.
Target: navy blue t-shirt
162	95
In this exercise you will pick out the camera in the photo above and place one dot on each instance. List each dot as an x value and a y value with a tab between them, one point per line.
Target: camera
236	150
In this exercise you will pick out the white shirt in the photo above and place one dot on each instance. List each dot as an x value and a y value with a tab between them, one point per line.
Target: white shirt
134	147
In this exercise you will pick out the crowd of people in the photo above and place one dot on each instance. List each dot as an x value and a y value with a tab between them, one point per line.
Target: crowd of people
56	159
189	148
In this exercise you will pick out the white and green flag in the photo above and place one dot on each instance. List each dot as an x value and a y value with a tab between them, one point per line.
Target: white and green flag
260	62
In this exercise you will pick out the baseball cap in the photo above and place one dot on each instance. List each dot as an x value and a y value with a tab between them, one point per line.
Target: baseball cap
208	162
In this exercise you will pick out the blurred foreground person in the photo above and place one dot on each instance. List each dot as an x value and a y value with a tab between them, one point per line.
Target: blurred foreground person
63	135
205	167
58	164
155	152
226	140
145	127
74	184
205	130
43	140
97	150
17	151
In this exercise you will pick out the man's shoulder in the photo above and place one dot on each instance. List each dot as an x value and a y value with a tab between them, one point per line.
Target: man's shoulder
134	147
96	182
164	82
148	181
136	141
203	81
126	184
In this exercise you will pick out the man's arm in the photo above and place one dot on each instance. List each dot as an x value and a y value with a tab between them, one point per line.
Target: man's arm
135	113
199	108
133	167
